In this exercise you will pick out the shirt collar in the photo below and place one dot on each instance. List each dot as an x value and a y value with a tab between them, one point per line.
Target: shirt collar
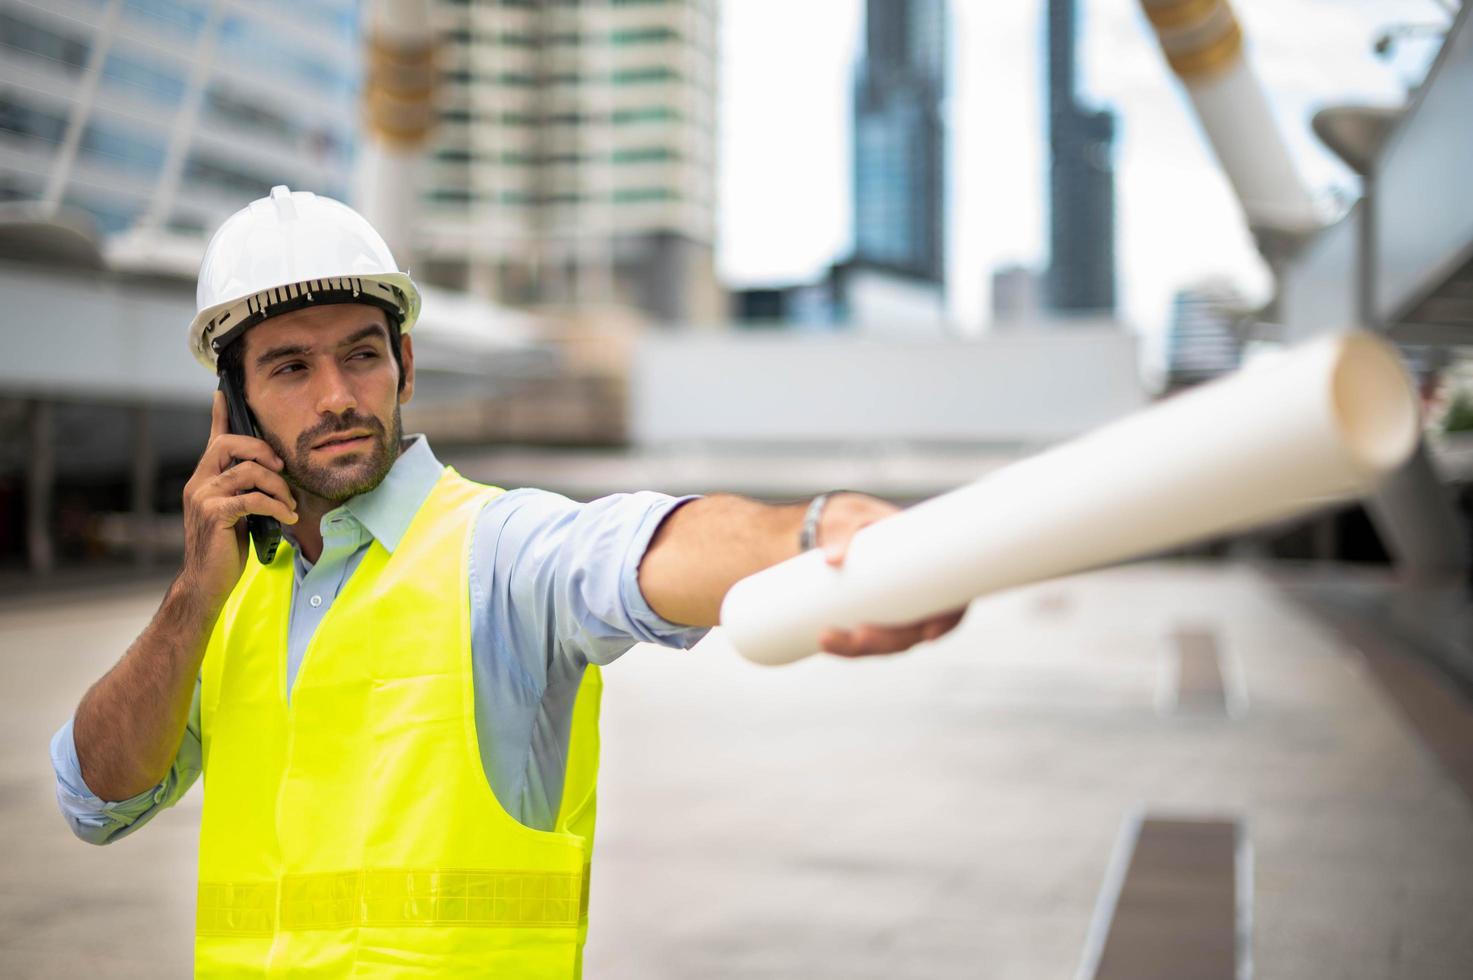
386	510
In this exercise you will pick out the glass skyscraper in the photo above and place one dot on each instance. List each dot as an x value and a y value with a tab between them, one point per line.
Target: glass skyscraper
175	113
1081	274
899	139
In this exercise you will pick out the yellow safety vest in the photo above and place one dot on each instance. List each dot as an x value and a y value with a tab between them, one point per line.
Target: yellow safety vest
352	832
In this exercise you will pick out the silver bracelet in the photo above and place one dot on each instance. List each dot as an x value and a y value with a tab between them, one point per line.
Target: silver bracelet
808	536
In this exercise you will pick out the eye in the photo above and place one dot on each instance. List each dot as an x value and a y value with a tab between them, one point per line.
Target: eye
369	353
285	368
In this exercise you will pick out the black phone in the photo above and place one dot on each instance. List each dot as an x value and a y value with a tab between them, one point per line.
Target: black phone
265	531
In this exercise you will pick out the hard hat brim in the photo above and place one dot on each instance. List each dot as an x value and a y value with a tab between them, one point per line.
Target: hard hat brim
300	294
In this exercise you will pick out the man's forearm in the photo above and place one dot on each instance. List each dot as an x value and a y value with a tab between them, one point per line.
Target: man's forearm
128	725
708	545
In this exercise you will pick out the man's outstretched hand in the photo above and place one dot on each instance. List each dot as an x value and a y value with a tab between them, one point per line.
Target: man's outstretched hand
843	515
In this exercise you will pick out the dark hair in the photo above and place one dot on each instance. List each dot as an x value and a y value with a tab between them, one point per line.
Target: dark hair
231	360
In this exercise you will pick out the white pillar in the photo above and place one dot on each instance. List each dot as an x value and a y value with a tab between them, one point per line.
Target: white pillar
398	115
181	134
61	167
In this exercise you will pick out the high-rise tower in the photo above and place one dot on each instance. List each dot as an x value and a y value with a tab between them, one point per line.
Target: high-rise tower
574	161
1081	275
899	144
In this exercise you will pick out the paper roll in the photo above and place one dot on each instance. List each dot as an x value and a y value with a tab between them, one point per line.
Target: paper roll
1325	420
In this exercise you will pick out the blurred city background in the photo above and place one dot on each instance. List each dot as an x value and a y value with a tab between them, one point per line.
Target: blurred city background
778	248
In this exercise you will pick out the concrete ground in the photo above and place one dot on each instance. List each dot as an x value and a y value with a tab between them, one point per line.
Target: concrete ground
950	813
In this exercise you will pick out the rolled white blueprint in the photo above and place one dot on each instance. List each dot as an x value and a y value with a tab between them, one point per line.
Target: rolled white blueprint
1324	420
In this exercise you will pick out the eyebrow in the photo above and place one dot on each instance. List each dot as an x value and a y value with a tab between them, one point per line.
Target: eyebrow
297	350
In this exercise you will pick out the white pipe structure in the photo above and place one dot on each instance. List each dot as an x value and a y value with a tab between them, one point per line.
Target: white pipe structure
1324	421
1203	44
186	120
398	115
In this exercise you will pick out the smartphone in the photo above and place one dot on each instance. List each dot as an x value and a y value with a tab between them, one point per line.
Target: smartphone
265	531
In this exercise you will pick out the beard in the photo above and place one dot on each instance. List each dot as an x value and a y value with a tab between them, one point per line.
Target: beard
348	474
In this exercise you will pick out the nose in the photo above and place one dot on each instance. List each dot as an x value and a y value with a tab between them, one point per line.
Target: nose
335	392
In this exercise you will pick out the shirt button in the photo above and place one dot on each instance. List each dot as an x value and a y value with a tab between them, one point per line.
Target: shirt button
316	601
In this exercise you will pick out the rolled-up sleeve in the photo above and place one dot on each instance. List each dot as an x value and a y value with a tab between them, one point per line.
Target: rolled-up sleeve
98	821
569	572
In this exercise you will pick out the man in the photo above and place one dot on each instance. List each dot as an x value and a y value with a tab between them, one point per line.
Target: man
396	714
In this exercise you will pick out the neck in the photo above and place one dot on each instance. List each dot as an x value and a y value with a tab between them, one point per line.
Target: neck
308	529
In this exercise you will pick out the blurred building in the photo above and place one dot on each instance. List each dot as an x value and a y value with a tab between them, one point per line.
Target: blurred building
128	129
197	108
804	305
1009	391
575	157
1081	274
899	139
1017	295
1202	342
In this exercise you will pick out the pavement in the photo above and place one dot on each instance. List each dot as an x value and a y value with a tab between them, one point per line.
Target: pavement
972	809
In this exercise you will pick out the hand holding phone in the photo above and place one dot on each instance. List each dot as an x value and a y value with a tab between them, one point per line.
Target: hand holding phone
237	476
265	531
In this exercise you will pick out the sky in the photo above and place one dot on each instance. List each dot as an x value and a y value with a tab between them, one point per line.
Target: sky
783	208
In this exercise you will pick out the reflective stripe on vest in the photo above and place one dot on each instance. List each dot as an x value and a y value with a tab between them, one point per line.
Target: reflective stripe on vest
351	832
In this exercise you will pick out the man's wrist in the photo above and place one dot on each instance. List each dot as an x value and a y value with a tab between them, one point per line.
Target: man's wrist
808	530
186	617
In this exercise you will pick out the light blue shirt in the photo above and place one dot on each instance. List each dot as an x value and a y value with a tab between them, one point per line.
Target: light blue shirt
554	586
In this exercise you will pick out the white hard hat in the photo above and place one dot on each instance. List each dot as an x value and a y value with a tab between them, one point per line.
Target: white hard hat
287	251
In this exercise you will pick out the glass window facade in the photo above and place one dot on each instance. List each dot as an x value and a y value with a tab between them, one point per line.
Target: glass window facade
899	139
228	176
649	113
34	40
290	107
884	186
338	19
644	154
123	147
644	35
644	74
142	77
112	214
174	15
640	195
314	139
247	40
21	119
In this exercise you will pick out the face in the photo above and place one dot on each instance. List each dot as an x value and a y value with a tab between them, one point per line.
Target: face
324	387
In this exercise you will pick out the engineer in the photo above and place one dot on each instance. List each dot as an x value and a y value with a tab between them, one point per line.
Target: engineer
396	714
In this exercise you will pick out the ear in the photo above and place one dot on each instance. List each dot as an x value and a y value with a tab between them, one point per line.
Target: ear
406	350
